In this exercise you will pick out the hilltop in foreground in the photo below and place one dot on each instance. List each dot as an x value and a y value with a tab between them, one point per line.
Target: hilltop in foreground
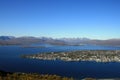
33	76
29	76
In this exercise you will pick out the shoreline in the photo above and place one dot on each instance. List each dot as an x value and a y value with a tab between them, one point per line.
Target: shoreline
104	56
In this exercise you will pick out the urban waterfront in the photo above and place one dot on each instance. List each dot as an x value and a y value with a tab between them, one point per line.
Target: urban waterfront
10	60
82	55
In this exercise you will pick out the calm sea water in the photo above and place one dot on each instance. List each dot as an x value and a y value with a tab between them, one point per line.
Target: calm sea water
10	60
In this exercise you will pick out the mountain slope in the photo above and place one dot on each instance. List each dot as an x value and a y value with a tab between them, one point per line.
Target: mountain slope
8	40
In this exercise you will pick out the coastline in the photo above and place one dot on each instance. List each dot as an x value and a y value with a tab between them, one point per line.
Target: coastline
86	55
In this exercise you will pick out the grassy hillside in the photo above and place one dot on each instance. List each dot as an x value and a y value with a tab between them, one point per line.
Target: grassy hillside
29	76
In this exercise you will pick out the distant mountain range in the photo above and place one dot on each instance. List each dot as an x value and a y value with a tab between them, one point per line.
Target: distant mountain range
11	40
6	37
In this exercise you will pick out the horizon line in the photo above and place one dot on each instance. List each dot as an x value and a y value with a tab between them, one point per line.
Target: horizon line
60	37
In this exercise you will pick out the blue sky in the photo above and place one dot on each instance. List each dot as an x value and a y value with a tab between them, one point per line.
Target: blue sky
97	19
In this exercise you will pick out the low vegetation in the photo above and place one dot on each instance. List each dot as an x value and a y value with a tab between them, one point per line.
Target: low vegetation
30	76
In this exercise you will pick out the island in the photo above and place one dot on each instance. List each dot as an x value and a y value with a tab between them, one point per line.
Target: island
83	55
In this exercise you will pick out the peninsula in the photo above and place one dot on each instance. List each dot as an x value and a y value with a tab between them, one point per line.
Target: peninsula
86	55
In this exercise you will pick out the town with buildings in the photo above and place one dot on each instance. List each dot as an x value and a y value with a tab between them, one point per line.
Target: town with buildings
87	55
